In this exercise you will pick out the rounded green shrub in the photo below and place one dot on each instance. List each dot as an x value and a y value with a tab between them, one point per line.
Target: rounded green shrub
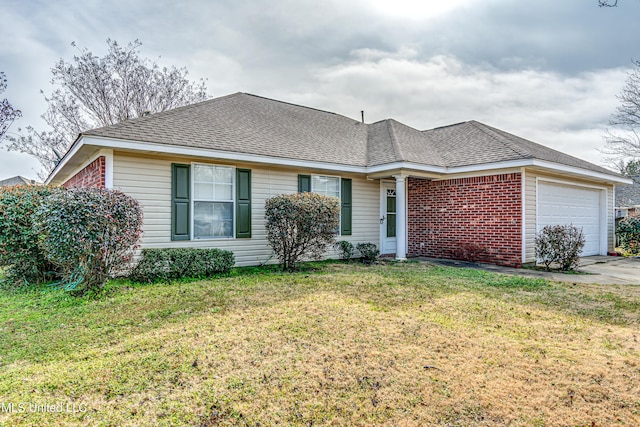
89	233
167	264
25	263
628	230
368	251
301	225
345	249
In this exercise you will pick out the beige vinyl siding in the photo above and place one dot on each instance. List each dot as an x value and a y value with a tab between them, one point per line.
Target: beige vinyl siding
611	218
531	203
148	179
530	216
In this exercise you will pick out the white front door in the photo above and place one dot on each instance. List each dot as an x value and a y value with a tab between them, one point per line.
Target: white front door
388	211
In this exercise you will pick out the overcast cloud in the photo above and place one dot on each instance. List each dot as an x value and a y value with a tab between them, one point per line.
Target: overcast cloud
547	70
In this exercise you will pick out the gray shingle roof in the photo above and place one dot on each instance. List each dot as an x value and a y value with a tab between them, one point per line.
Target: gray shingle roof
628	195
472	143
390	141
15	180
251	124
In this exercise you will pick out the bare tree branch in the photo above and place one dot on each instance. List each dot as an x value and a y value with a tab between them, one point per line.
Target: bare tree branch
94	91
608	3
7	113
623	141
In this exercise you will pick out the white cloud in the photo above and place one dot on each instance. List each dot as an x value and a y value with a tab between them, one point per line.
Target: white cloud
548	71
415	9
568	113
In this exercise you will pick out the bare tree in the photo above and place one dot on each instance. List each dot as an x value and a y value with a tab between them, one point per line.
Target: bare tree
7	113
628	168
94	92
608	3
623	142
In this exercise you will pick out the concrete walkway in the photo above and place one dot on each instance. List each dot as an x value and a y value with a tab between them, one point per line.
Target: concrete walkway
604	270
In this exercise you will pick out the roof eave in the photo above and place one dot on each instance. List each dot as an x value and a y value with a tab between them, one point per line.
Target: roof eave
65	159
178	150
510	164
103	142
558	167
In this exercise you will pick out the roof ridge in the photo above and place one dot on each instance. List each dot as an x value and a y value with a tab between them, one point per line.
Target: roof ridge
394	139
445	126
427	142
298	105
164	112
379	121
488	130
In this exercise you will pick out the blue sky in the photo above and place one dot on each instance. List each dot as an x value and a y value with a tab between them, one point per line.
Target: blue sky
546	70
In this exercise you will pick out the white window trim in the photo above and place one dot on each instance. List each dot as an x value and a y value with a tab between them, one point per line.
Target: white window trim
193	201
339	196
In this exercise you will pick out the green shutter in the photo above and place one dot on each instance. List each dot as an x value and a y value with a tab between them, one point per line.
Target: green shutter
180	201
243	203
304	183
346	207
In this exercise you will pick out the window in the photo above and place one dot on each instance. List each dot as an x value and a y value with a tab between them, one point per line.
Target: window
391	213
212	201
331	186
326	185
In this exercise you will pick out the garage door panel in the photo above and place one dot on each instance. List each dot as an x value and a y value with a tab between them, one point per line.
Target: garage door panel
566	204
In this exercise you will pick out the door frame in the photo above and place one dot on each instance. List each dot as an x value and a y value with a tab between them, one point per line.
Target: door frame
384	185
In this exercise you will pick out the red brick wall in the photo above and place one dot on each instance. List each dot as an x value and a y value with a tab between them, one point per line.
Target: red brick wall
91	176
450	219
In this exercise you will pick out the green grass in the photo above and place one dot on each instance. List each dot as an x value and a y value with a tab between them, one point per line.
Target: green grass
332	344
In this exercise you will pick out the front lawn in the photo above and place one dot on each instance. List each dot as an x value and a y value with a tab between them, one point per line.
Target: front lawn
335	344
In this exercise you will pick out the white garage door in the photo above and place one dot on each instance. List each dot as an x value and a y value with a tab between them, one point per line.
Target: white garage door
566	204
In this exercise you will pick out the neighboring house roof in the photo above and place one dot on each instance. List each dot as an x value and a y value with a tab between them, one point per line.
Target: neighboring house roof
16	180
628	195
249	124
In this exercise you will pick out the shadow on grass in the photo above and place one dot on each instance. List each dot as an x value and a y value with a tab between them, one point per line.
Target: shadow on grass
45	323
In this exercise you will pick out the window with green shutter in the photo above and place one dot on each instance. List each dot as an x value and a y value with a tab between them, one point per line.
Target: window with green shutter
180	201
346	207
304	183
213	201
220	203
332	186
243	203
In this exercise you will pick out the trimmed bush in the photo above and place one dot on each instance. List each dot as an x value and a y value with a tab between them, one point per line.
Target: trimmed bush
368	251
345	249
560	245
628	230
89	233
301	225
169	264
19	251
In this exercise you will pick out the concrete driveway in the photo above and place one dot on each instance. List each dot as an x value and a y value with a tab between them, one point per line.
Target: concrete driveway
605	270
611	269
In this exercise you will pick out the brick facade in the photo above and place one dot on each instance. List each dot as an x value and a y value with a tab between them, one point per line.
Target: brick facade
477	218
93	175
